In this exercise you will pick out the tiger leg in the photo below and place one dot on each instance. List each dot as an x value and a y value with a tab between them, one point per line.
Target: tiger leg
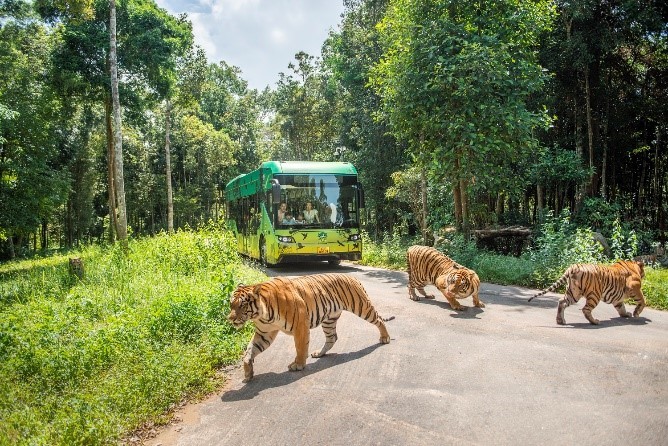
563	303
453	302
411	291
369	314
477	302
302	336
260	342
589	306
640	299
621	309
426	296
329	328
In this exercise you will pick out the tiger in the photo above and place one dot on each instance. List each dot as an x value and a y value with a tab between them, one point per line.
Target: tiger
428	266
294	306
612	284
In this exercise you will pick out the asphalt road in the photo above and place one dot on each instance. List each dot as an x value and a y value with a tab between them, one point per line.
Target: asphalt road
503	375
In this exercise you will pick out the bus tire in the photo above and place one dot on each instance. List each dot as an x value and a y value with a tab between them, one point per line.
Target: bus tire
336	262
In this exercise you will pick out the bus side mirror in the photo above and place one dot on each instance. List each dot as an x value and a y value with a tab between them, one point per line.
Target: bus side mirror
360	196
275	191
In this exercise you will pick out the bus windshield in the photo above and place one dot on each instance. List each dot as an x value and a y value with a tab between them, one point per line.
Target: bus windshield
317	201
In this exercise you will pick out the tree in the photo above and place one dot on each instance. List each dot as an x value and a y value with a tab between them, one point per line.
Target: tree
33	180
148	40
119	183
348	58
304	112
455	80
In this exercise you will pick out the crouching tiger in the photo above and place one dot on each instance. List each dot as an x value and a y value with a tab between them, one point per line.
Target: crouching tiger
428	266
612	284
294	306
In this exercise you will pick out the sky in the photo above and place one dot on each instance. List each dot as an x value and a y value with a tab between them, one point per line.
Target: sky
260	37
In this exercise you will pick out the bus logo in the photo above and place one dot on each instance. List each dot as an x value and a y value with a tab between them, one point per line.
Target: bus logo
322	236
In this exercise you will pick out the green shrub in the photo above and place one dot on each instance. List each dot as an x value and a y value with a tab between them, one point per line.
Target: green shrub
85	361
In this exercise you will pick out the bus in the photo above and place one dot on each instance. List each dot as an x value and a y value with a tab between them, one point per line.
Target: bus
291	211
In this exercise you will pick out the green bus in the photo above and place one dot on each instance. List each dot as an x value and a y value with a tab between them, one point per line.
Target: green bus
290	211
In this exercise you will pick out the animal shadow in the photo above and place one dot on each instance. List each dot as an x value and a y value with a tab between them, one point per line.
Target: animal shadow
469	312
607	323
277	379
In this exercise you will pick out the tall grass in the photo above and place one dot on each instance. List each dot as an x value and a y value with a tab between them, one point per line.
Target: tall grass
85	361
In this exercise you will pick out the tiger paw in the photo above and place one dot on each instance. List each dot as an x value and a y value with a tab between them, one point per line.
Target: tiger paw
429	296
296	367
480	305
316	354
248	372
561	321
627	314
415	297
385	340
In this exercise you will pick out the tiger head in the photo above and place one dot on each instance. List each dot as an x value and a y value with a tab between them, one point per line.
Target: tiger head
243	305
457	284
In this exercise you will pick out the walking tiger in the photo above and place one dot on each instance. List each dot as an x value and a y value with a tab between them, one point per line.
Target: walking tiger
296	305
612	284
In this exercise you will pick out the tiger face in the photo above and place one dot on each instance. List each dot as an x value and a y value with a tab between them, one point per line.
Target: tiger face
458	285
243	305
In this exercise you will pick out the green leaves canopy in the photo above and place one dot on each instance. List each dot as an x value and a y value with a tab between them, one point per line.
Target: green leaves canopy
455	82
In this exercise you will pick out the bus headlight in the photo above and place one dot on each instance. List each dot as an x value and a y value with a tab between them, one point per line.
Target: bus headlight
354	238
285	239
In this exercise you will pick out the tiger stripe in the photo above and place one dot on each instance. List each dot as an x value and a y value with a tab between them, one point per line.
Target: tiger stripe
296	305
608	283
428	266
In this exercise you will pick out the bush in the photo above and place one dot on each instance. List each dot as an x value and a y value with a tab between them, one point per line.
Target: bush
85	361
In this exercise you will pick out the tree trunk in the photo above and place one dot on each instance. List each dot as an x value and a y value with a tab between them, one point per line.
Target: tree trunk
110	169
539	203
122	223
423	194
457	196
12	251
463	184
579	149
168	168
590	133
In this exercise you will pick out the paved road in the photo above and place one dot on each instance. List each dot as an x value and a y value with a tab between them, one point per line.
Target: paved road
502	375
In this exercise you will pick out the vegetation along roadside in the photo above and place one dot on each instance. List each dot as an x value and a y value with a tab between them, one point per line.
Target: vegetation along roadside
86	361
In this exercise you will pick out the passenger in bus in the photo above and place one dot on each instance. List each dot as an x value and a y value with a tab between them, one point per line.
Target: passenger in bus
310	214
288	219
282	209
300	219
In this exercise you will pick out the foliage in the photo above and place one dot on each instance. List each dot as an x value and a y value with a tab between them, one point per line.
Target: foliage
386	250
455	79
84	361
348	56
559	244
655	288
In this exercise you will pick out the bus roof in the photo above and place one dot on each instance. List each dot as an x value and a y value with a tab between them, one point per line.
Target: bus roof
249	183
309	167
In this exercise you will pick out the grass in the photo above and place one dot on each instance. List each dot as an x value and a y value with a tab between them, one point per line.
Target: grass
86	361
390	252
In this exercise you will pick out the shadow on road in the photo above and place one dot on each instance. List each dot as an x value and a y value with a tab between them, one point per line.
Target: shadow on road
603	323
273	379
307	268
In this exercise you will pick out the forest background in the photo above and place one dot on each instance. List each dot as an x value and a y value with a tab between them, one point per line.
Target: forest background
495	113
460	116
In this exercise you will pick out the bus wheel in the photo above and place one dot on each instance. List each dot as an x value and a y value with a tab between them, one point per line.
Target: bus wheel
336	262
